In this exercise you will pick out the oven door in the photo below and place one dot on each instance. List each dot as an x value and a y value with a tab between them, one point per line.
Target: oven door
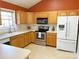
40	35
40	38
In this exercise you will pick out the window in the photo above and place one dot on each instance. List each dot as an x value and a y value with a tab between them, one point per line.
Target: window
7	18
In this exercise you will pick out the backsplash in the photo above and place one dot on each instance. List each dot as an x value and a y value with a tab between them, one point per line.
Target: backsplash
23	27
51	27
3	30
13	29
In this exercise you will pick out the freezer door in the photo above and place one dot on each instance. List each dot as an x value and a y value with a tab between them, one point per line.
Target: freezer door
61	27
66	45
72	27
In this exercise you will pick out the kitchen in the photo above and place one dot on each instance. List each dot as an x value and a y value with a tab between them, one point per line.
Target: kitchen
37	26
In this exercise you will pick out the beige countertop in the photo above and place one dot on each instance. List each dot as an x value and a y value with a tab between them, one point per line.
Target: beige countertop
10	52
7	35
51	31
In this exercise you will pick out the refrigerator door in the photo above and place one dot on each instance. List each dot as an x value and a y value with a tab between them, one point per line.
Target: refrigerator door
61	27
78	45
66	45
72	27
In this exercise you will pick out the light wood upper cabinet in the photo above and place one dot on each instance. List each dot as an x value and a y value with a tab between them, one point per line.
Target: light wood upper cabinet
62	13
21	17
77	12
30	18
72	13
0	19
51	39
40	15
68	13
52	17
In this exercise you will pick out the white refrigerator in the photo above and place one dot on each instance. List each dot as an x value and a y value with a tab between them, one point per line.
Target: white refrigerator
77	45
67	27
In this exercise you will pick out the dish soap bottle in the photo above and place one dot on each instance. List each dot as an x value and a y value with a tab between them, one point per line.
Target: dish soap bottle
53	28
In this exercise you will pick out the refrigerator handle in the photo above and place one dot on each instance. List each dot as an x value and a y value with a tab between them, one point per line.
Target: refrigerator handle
66	29
69	29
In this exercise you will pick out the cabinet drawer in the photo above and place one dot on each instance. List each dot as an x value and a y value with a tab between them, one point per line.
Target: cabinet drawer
50	34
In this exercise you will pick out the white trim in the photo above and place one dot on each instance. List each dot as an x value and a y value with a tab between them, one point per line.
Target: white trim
11	11
8	10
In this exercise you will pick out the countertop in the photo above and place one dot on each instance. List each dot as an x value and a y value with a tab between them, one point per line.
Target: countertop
51	31
7	35
10	52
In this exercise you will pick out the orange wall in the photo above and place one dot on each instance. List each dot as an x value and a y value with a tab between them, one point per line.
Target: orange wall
11	6
50	5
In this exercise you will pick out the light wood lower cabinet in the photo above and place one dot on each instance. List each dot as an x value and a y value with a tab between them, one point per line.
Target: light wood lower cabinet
51	39
23	39
32	36
17	40
27	38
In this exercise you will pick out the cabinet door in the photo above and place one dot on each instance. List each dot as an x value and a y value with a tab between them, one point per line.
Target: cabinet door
51	39
72	13
29	39
32	37
40	15
77	12
17	40
62	13
30	18
20	39
52	18
26	39
14	41
0	18
21	17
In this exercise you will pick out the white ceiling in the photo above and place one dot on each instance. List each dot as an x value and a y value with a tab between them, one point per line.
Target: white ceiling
24	3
